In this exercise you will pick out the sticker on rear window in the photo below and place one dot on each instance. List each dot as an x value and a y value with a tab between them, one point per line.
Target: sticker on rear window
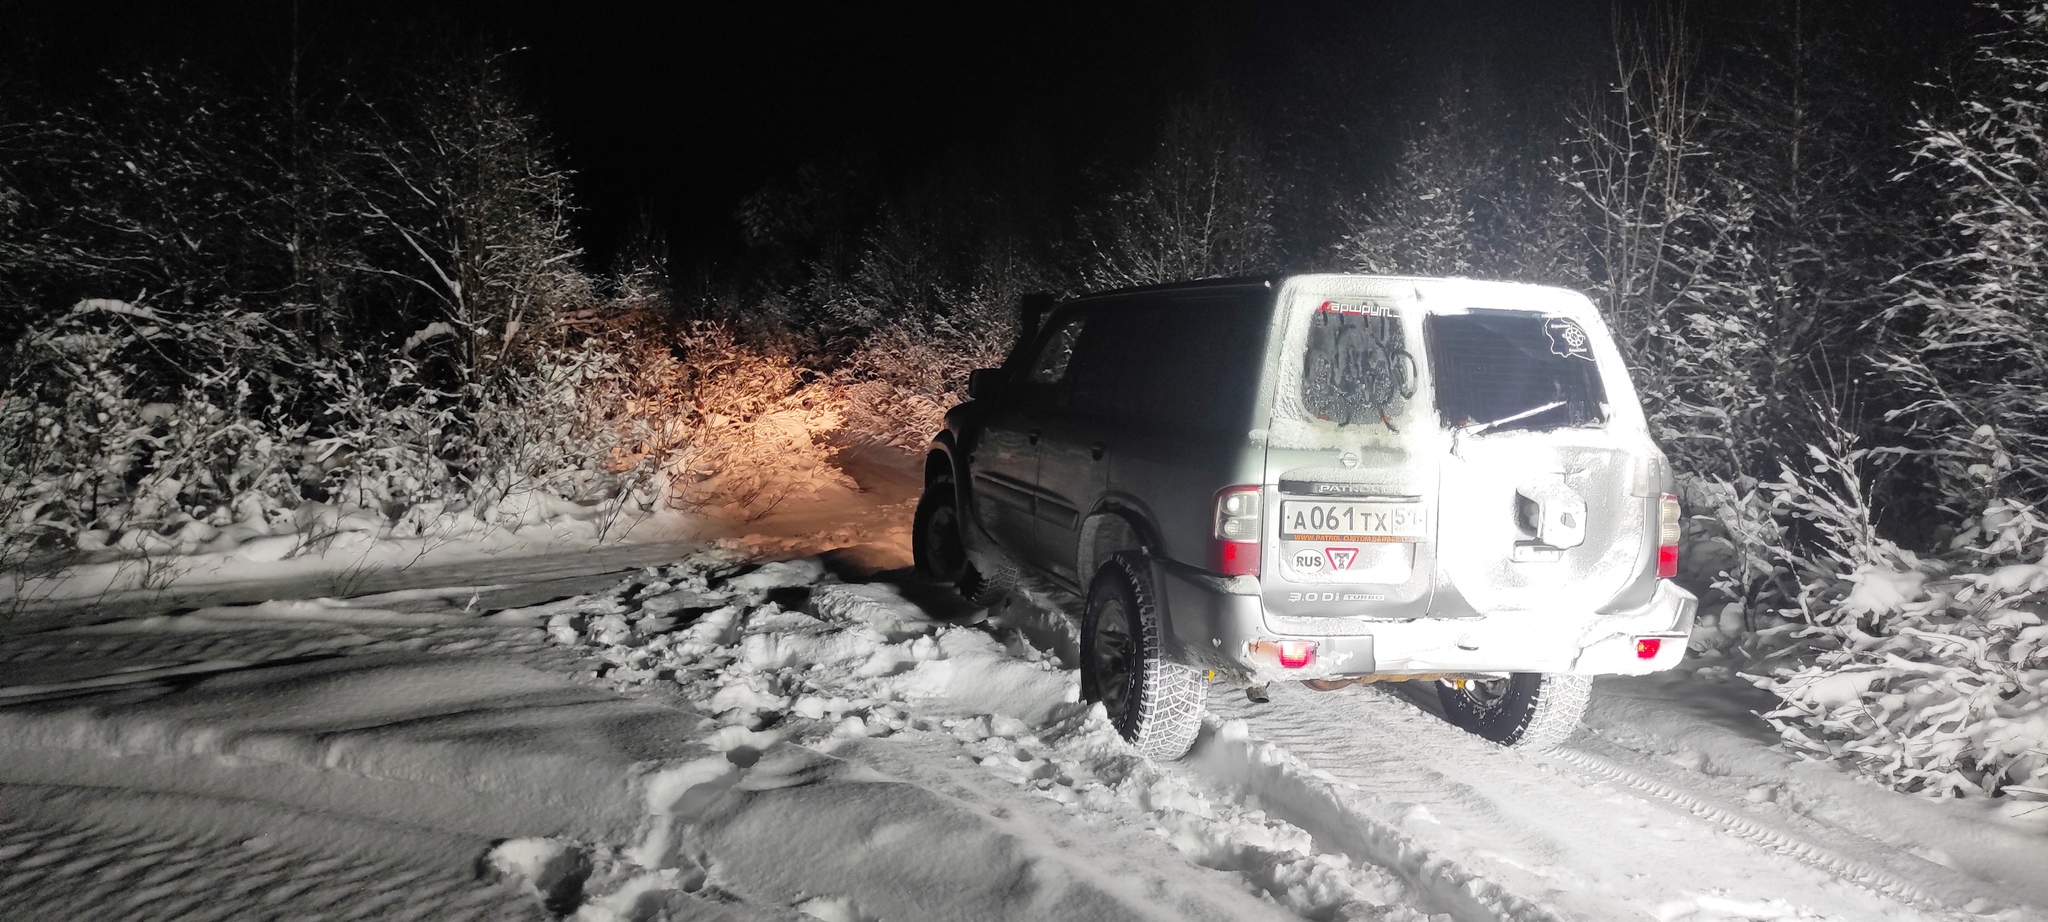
1568	339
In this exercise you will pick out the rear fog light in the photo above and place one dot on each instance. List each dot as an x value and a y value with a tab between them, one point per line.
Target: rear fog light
1287	654
1648	647
1295	654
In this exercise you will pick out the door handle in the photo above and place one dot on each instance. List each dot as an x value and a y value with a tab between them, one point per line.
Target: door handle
1034	436
1096	450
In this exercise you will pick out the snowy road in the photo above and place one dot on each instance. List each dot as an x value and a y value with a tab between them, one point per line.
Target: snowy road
714	739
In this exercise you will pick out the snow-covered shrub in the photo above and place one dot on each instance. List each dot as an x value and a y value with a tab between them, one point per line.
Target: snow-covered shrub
1929	671
1732	554
544	428
726	424
758	426
376	329
1935	682
1930	674
388	440
900	380
92	455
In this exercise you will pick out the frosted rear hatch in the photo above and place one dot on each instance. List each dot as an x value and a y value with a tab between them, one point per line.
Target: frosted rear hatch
1444	453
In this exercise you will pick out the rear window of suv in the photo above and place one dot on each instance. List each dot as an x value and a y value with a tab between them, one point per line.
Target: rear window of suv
1497	370
1356	367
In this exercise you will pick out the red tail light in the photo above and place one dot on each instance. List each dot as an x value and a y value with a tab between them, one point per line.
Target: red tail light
1667	536
1234	551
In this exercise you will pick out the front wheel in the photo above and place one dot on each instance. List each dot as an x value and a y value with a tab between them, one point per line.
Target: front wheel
1526	710
938	545
1154	704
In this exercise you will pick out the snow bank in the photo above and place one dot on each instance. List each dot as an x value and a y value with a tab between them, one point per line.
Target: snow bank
342	543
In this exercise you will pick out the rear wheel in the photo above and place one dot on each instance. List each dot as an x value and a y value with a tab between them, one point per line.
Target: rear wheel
1154	704
939	548
1526	710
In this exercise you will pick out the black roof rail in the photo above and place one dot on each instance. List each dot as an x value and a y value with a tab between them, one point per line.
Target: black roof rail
1198	285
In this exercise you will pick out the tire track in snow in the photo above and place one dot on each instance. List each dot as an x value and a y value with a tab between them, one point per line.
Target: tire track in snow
1883	883
1284	767
1383	780
1371	751
265	644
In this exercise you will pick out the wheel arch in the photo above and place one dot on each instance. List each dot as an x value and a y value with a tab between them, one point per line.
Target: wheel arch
943	457
1117	523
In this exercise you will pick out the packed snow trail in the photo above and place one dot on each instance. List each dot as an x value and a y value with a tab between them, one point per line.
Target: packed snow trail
719	737
1592	850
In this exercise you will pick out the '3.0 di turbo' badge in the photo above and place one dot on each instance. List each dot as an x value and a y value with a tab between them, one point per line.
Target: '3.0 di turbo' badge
1308	561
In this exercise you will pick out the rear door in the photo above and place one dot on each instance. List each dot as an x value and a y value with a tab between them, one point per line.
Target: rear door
1537	492
1353	458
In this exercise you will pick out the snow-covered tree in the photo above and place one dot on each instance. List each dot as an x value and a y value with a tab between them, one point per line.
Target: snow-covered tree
1470	195
1970	334
1201	207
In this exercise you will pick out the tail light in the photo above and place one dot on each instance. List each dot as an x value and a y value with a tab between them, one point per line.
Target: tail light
1667	536
1648	647
1235	549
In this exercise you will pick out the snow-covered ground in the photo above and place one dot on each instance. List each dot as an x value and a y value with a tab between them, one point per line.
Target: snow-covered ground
716	733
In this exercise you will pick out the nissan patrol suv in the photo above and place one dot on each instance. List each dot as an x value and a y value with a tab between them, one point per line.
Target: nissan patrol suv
1330	478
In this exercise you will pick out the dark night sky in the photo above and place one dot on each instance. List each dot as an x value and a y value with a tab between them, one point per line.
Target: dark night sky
687	107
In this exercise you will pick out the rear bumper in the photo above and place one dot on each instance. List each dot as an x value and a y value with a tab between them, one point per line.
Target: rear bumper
1212	622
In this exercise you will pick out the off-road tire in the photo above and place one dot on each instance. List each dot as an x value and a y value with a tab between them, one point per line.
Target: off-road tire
938	547
987	579
1154	704
1533	711
924	556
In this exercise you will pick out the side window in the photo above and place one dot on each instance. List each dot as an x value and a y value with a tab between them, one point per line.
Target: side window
1104	363
1188	364
1050	364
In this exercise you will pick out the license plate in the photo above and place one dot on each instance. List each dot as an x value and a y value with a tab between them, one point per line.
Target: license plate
1353	521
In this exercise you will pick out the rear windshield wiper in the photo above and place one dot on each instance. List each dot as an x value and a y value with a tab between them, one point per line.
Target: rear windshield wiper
1525	414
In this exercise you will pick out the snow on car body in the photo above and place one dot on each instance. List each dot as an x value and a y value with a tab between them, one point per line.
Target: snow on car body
1322	477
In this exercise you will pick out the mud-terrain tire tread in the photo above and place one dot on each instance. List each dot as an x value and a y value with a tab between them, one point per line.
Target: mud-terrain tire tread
1539	712
1169	698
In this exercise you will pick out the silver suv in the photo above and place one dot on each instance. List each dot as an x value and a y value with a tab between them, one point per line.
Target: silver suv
1329	478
